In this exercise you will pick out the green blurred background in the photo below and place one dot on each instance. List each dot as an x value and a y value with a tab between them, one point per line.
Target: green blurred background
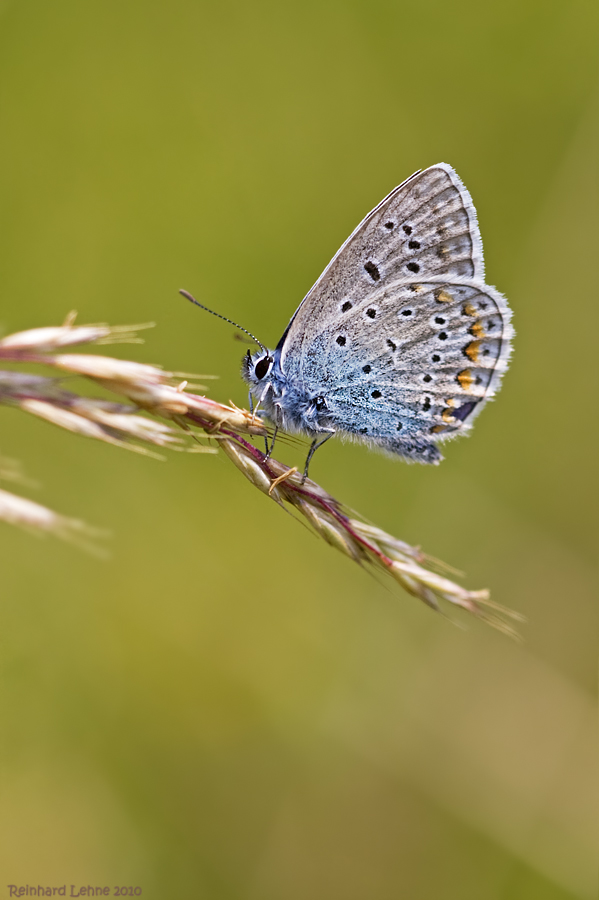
227	708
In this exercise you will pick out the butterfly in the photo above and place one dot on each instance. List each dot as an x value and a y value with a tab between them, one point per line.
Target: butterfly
400	343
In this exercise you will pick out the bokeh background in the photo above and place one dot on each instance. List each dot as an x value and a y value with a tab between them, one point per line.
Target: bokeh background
227	708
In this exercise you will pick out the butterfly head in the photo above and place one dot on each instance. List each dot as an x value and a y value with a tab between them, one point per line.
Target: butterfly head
257	368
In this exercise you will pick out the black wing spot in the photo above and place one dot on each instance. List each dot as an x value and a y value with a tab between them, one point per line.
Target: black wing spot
372	271
391	345
341	340
367	369
464	411
427	404
442	335
346	306
363	431
440	320
407	229
427	378
413	267
376	395
414	245
390	225
399	426
436	357
371	313
406	312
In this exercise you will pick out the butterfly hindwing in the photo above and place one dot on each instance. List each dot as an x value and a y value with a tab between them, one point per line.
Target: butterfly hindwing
414	361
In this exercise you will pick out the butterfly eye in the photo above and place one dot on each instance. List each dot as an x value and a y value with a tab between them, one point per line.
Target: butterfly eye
262	367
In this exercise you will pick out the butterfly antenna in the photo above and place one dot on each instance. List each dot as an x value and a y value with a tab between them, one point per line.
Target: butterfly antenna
191	299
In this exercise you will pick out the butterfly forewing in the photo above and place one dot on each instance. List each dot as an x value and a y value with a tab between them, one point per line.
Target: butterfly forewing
425	227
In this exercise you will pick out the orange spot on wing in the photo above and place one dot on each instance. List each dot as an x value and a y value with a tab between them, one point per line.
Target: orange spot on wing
472	350
469	310
447	414
466	379
437	428
477	330
442	296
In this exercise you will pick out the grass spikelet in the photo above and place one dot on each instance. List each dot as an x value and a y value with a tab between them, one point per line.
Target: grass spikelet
39	520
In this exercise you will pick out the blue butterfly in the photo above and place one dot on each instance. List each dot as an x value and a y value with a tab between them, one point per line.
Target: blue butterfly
400	343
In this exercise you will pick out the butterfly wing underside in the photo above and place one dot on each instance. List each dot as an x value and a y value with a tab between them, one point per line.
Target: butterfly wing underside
400	332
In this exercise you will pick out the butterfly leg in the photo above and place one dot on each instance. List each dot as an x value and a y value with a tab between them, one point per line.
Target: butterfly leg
267	452
272	443
313	448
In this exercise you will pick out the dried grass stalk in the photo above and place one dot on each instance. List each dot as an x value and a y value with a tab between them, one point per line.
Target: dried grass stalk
149	392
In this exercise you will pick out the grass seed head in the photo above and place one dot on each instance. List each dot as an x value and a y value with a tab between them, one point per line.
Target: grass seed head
162	395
